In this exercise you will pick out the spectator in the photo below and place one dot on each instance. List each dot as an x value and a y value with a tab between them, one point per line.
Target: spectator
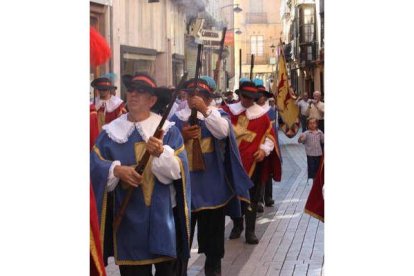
303	104
316	109
312	139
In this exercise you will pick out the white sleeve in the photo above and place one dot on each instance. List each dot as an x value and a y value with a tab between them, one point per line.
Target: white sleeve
166	167
173	110
112	179
217	125
267	146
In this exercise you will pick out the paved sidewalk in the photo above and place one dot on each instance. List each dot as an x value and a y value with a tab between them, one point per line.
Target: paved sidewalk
291	242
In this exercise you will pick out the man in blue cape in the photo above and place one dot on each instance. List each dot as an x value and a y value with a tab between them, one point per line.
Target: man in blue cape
156	226
223	177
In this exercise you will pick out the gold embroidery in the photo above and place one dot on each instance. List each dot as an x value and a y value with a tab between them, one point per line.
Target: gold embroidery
98	152
241	131
143	262
213	207
103	216
184	182
148	183
94	253
101	120
206	144
180	150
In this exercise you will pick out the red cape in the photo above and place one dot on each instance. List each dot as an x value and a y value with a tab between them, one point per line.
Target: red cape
93	125
106	118
315	206
250	137
97	267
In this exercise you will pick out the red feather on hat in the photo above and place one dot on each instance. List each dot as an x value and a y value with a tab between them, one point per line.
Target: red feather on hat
100	51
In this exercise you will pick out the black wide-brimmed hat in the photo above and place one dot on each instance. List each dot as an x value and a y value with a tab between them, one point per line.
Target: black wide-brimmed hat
142	82
202	86
264	92
102	84
248	89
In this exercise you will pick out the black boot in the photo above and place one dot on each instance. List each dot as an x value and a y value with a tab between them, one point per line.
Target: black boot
251	224
260	207
269	202
237	228
212	266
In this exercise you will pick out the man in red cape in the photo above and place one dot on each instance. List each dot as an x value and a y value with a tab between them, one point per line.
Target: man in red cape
256	140
315	206
108	106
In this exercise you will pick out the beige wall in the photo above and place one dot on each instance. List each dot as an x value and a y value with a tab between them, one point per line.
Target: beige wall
271	32
158	26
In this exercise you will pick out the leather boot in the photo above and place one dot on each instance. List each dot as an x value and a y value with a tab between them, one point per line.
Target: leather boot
237	228
212	266
251	225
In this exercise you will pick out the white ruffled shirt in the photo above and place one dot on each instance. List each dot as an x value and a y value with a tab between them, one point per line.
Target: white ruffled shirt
110	105
166	167
218	126
253	112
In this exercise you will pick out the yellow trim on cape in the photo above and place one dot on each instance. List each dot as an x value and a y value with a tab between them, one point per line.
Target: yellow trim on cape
94	252
180	150
312	214
147	185
212	207
144	262
183	180
103	217
98	153
244	199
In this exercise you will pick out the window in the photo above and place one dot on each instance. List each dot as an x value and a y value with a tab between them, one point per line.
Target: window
256	6
307	24
256	45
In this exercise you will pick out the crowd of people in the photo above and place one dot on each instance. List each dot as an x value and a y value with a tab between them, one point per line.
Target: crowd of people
205	159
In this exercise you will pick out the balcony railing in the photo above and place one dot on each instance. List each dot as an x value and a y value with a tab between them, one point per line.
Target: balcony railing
258	60
256	18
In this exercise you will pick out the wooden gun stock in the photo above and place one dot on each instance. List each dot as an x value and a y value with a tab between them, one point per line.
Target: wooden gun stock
198	160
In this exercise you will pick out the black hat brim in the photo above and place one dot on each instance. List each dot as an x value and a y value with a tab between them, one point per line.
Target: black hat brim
99	87
204	91
252	95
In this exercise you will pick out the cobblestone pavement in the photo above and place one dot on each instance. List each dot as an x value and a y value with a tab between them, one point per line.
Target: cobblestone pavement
291	242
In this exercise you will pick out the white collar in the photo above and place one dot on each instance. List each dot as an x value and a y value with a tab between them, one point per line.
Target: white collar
266	106
120	129
185	113
253	112
110	105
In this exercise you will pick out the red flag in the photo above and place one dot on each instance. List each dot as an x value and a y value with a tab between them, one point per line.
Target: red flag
315	206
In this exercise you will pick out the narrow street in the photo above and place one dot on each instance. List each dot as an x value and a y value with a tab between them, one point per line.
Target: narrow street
291	242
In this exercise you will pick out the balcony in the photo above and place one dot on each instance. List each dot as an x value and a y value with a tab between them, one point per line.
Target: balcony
256	18
258	60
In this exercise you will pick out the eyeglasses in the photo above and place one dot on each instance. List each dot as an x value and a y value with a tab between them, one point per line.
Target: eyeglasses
247	97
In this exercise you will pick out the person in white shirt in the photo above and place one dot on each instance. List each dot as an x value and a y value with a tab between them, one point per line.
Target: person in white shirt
303	103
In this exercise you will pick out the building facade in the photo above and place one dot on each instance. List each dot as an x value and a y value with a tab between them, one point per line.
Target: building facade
261	31
144	36
303	35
